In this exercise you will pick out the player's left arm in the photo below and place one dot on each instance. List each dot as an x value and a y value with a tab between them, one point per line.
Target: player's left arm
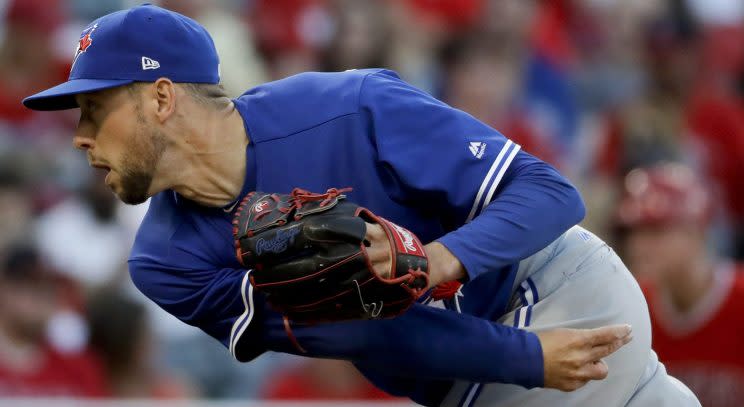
500	204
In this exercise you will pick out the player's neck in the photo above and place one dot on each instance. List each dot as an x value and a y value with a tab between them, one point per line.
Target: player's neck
207	165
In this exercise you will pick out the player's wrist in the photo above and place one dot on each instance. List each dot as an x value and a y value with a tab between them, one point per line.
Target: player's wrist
443	265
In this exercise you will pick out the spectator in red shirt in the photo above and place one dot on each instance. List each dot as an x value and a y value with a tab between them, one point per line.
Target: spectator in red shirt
27	57
696	299
121	334
29	365
322	379
682	118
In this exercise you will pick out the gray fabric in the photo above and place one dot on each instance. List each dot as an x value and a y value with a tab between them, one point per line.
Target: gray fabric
582	283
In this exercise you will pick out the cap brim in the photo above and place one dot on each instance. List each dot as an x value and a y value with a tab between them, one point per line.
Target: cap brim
62	96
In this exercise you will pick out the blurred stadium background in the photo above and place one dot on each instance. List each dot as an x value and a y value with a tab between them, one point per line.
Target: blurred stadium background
595	87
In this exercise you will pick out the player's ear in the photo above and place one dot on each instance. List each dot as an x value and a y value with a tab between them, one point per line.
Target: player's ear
165	98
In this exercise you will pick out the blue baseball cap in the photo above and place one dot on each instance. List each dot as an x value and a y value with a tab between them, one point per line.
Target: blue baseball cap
140	44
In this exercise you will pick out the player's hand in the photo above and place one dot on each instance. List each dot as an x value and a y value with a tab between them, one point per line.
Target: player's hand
379	252
443	265
573	357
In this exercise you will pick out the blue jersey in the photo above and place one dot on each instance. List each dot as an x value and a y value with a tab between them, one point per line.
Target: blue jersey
409	158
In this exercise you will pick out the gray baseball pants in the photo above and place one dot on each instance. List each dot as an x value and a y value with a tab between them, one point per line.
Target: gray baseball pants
579	282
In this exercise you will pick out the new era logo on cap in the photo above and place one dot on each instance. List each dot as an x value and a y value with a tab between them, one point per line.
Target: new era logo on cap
149	63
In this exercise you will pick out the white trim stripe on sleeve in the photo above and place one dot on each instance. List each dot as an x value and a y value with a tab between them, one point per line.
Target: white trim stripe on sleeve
246	317
498	164
477	394
500	175
483	186
470	395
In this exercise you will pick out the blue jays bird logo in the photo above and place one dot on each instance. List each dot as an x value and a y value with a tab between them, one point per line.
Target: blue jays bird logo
84	43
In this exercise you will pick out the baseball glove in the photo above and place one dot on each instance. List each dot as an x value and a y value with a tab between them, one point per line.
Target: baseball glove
308	255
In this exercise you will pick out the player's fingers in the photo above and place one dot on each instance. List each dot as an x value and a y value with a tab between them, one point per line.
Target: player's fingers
600	351
572	385
607	334
374	232
596	370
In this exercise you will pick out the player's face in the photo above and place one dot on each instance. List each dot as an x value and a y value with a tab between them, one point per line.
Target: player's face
117	138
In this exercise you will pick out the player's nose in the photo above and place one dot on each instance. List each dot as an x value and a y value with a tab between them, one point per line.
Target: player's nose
82	142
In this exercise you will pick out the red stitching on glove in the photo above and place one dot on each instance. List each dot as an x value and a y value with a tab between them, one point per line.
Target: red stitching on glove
290	334
302	196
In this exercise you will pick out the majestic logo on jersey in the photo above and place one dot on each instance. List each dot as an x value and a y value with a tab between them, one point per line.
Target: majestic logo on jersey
278	243
260	206
477	148
149	63
86	40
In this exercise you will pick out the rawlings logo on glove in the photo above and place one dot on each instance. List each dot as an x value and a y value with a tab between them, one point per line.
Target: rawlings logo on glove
408	240
279	243
309	257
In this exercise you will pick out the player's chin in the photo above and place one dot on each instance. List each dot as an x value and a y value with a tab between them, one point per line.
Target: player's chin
127	192
130	198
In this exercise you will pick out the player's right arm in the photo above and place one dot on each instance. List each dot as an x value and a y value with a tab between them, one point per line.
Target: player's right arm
423	343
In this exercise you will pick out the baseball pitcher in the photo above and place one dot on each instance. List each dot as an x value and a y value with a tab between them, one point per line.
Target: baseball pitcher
351	216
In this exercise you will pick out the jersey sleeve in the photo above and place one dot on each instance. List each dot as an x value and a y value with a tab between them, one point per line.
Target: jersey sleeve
223	304
445	161
218	301
424	343
533	207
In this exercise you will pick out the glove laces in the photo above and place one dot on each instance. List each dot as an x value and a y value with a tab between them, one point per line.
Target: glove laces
301	196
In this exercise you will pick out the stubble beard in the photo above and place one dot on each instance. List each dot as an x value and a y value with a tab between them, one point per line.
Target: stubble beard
135	184
139	164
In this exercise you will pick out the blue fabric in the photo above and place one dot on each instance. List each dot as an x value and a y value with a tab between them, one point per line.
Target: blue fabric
534	205
409	158
414	354
550	97
143	43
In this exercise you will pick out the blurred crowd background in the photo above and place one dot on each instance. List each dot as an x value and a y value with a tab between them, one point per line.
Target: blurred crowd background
598	88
